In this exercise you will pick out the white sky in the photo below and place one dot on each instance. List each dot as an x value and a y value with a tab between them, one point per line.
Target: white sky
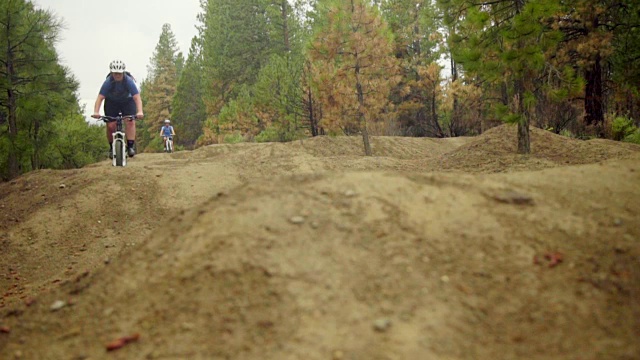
98	31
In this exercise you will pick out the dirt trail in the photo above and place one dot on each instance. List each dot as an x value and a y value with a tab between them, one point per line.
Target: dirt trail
431	249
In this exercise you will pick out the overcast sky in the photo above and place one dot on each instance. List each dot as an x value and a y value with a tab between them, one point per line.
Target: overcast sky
97	32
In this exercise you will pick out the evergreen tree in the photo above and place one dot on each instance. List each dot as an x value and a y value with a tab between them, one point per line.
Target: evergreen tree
235	46
30	77
188	109
601	40
417	44
625	60
354	67
278	98
160	88
504	43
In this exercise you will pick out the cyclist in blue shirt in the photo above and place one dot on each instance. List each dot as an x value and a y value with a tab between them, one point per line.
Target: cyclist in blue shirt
167	132
121	95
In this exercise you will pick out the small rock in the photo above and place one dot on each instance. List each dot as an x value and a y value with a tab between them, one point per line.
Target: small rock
445	279
338	355
297	220
617	222
5	329
381	325
59	304
62	186
187	326
17	354
512	197
315	225
350	193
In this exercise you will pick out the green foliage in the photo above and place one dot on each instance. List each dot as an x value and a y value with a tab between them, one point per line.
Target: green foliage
155	145
251	47
278	134
622	128
633	137
160	86
34	88
76	144
188	108
233	138
277	98
236	44
567	133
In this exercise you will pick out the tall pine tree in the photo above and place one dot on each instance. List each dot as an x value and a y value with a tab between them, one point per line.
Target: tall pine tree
504	43
29	73
160	88
354	67
188	109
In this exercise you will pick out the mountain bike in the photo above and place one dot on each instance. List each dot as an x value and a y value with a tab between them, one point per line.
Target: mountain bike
168	144
119	149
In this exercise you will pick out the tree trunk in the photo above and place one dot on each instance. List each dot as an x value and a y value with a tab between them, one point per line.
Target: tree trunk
524	145
454	111
594	112
313	122
35	158
12	157
434	115
362	120
285	25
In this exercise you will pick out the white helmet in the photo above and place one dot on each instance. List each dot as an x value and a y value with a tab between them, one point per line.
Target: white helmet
166	121
117	66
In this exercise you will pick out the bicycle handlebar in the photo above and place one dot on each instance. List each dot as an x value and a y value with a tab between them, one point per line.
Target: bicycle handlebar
115	118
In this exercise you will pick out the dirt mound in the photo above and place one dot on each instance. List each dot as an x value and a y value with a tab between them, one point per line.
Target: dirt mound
381	146
495	151
287	251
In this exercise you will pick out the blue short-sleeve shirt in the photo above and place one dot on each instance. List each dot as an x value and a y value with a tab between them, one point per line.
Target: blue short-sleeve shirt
167	130
119	91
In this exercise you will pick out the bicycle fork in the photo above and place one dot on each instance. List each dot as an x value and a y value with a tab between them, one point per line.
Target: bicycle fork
119	142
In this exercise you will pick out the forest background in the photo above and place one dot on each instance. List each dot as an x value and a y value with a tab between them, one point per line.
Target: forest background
273	70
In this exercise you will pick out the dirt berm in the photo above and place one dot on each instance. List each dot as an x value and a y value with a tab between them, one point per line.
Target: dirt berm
431	249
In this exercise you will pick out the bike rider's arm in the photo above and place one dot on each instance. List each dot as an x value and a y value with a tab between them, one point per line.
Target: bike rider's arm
96	107
138	101
173	132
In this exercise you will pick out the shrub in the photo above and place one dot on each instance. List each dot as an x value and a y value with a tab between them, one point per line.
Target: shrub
622	127
233	138
634	137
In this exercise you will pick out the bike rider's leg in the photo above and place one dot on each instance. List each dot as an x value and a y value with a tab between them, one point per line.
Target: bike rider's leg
110	109
130	127
111	127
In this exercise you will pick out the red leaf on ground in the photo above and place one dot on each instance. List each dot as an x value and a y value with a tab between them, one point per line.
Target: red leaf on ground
117	344
551	259
554	258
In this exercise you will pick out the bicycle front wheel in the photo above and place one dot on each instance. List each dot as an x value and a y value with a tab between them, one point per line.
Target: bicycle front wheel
119	153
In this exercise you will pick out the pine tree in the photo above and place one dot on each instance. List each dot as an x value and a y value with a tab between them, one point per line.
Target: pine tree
598	42
353	66
188	109
160	88
504	44
30	72
417	44
235	46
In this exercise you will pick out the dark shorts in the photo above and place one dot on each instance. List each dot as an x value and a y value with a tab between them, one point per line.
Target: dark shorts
112	108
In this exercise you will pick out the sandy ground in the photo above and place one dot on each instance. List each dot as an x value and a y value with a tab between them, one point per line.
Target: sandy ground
431	249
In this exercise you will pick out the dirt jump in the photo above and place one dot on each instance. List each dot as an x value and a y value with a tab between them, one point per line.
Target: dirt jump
430	249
